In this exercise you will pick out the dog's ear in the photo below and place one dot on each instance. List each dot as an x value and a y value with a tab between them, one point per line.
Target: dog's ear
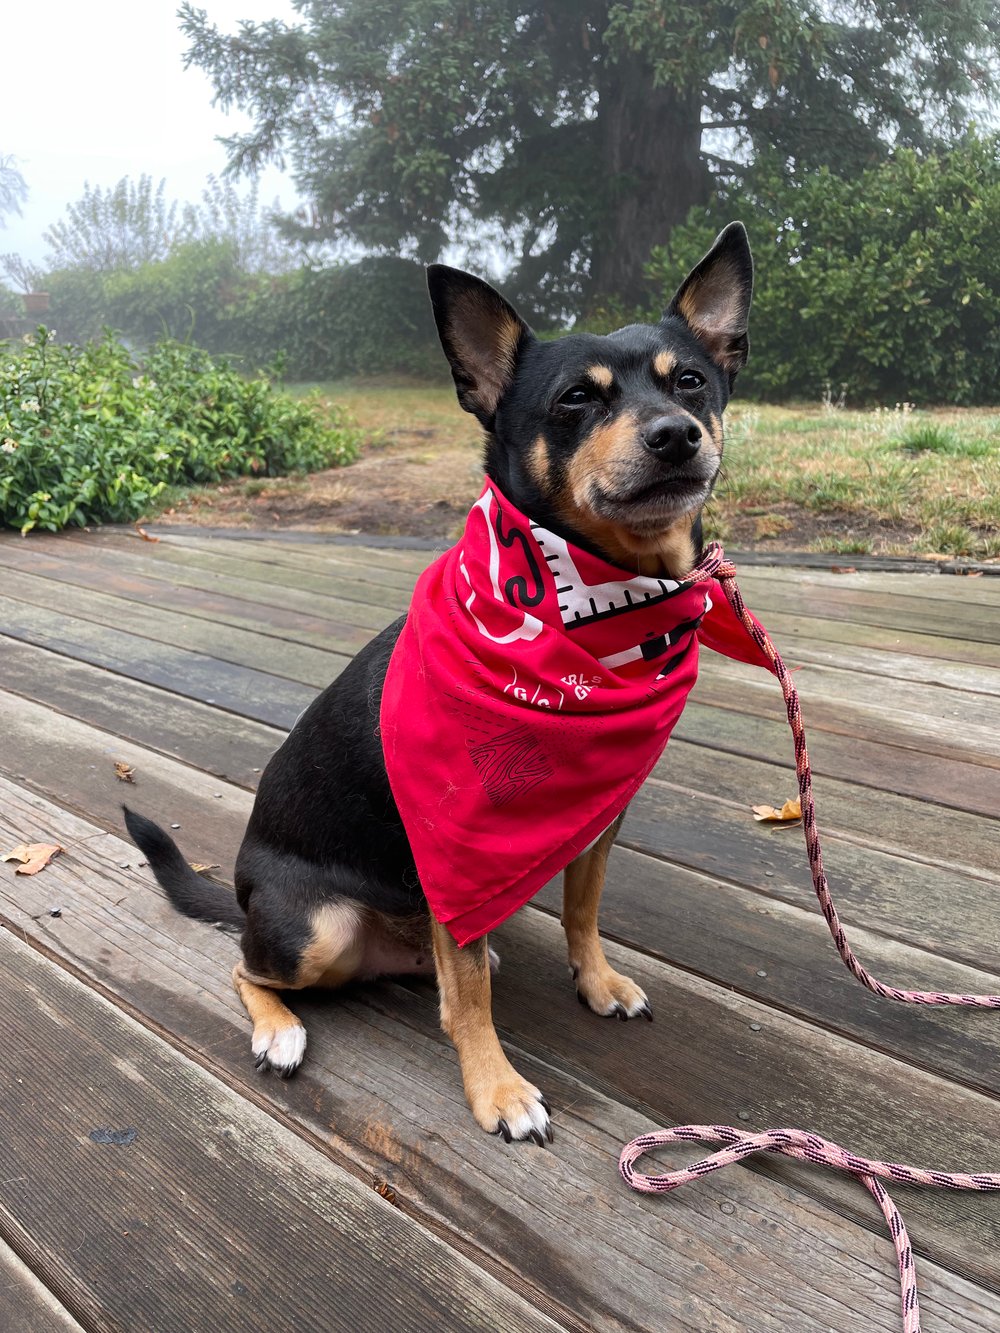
714	299
482	336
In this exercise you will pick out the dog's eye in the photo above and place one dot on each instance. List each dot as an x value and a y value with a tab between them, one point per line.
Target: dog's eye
579	396
689	381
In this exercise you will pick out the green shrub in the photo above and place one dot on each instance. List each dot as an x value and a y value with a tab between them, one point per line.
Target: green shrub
369	318
887	284
90	435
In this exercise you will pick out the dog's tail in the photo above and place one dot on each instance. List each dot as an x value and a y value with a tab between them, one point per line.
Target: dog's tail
187	891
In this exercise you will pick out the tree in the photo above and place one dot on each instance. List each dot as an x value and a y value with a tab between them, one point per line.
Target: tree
116	229
13	190
574	134
122	228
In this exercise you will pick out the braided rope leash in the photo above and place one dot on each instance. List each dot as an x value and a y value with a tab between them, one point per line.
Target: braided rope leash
796	1142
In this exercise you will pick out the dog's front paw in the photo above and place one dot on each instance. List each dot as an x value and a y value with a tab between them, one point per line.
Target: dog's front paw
610	994
279	1048
504	1103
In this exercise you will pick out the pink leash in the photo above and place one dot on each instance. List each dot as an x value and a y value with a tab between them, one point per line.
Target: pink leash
797	1142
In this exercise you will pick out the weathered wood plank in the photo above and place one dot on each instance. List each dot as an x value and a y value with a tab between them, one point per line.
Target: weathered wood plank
954	722
933	738
782	954
953	838
26	1305
787	629
943	910
301	1246
277	657
886	609
925	905
867	763
363	614
898	665
381	1088
332	561
201	735
72	570
239	689
342	581
949	588
74	764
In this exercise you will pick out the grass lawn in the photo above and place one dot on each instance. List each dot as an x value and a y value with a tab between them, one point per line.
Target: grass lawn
885	481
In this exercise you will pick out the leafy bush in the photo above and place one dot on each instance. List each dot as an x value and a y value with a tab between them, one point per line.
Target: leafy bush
368	318
89	435
887	284
372	317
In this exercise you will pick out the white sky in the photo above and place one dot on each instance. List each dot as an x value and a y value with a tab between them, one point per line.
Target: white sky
94	90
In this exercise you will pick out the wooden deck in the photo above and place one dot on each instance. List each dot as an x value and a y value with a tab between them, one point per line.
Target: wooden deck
359	1195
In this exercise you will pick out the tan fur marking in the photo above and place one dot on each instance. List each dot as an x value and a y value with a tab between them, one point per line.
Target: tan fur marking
262	1002
713	307
601	986
333	954
608	444
601	376
488	341
715	430
663	363
669	552
493	1087
538	462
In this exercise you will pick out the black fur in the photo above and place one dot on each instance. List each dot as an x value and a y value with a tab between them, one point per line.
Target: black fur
187	891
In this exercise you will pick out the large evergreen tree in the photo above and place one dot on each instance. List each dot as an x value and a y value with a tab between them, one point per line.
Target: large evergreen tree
574	134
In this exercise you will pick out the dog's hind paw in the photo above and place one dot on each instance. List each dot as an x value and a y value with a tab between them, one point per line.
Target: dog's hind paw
280	1049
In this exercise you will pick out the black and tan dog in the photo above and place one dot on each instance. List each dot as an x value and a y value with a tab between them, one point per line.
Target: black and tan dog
614	443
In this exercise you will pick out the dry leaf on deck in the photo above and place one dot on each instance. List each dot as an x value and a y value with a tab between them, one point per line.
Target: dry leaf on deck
767	813
199	869
843	569
145	535
124	772
34	856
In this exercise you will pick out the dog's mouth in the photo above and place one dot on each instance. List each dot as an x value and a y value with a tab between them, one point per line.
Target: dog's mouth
652	504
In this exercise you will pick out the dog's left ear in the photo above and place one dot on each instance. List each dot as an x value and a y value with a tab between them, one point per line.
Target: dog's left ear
714	299
482	336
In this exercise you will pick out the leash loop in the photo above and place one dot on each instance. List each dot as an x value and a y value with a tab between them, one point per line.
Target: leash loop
797	1142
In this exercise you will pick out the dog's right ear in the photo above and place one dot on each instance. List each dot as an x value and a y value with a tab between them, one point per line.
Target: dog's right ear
482	336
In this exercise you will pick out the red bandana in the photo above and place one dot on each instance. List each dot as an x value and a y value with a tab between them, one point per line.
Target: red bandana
532	690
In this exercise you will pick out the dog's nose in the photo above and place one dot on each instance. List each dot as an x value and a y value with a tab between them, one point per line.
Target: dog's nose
672	439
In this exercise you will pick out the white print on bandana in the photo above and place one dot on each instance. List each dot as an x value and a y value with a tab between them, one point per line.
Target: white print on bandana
526	695
581	602
530	626
582	684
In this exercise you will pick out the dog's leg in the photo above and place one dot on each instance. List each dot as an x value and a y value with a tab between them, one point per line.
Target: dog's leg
279	1039
597	983
332	956
501	1100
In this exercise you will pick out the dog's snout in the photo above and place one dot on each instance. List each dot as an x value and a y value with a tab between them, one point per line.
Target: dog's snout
673	439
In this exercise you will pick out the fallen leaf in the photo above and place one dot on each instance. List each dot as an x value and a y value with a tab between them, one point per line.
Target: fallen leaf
144	534
124	772
33	856
199	869
767	813
843	569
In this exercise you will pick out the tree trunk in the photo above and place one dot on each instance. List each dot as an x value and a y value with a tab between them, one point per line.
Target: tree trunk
652	170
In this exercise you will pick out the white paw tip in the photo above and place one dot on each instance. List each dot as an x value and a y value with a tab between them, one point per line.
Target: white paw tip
281	1051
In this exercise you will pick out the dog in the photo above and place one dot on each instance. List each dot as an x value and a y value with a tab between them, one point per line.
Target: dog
612	443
